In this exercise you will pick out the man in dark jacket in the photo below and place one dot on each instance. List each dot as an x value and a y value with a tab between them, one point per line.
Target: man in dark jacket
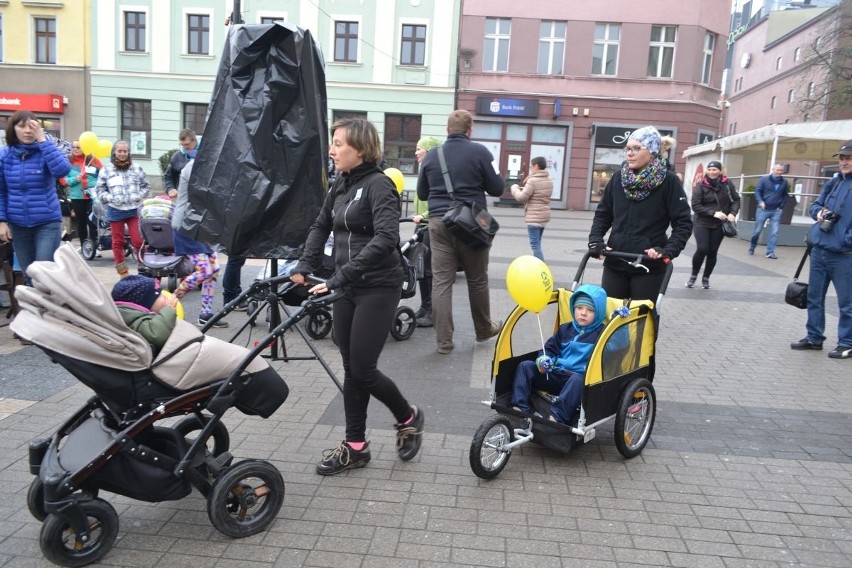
472	175
831	259
771	197
188	149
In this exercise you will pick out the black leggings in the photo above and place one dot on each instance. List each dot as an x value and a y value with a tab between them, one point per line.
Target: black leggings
86	229
362	321
636	286
707	241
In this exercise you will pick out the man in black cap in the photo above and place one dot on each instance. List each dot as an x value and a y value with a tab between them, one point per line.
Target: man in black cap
831	259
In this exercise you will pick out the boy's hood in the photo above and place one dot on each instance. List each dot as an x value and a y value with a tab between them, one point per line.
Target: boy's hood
598	296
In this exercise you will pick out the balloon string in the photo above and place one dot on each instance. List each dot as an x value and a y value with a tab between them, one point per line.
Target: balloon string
540	332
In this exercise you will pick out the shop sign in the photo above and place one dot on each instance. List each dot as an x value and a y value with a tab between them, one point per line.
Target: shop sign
499	106
32	102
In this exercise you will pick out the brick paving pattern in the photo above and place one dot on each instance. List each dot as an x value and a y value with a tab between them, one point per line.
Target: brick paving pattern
749	464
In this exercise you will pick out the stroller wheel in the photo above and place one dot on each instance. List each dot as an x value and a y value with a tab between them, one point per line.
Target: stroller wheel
61	545
35	499
88	249
635	418
219	441
404	324
319	324
245	498
487	456
172	282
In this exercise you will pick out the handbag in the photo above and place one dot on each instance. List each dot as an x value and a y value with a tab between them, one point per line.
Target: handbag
729	229
797	292
470	223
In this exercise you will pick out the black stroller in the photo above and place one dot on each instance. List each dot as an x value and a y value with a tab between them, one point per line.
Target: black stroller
158	251
114	443
102	240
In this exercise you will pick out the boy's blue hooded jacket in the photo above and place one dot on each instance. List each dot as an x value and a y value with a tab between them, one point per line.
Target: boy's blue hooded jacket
571	347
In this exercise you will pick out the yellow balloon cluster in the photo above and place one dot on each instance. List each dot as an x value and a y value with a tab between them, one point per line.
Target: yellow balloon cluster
92	146
530	283
397	177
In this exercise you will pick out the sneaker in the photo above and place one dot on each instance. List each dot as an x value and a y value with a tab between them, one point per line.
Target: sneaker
841	352
495	329
409	436
241	307
772	256
424	321
805	344
705	283
691	282
343	457
751	250
204	318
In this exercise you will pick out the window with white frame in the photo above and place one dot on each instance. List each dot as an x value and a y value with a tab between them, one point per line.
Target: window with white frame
402	131
1	38
346	41
198	34
551	47
707	59
605	49
45	40
662	52
413	45
811	90
790	96
778	63
136	126
495	53
195	117
797	54
135	23
772	102
264	17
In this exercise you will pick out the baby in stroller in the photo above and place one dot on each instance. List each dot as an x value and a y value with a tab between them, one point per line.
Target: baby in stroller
114	442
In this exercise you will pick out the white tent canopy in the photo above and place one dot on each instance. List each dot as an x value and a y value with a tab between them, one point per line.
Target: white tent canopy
783	142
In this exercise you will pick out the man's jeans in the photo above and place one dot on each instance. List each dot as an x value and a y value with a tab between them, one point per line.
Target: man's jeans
835	268
760	218
231	281
35	243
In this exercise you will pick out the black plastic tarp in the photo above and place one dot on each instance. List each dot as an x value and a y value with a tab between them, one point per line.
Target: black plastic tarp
259	177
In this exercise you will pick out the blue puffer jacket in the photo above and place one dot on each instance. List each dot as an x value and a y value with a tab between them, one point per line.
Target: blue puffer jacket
28	174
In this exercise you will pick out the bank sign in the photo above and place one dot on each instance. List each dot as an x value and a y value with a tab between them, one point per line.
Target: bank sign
499	106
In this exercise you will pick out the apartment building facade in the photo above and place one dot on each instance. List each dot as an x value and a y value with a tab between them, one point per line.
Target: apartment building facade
154	64
569	80
44	49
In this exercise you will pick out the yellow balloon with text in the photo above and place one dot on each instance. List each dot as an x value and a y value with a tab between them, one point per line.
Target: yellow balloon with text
397	178
104	149
178	306
89	143
530	283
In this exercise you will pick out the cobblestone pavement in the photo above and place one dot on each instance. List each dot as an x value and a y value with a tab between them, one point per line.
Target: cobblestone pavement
750	462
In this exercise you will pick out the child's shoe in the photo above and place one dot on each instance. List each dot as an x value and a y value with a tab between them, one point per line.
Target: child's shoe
343	457
409	436
203	318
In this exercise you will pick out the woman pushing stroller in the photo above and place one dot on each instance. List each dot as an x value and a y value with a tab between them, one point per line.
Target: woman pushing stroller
362	209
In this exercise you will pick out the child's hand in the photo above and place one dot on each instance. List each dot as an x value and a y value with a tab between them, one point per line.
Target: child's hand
172	301
544	363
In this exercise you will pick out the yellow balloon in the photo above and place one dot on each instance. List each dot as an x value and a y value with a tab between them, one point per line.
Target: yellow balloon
104	148
178	306
530	283
89	143
397	177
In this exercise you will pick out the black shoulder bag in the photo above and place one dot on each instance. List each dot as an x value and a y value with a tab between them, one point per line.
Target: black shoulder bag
729	229
470	223
797	292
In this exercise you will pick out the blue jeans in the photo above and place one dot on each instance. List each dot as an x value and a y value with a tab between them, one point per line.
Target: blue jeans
760	218
231	287
35	243
829	267
535	240
569	390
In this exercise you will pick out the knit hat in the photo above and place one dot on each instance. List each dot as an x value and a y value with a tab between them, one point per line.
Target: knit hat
428	142
715	164
649	137
584	300
135	289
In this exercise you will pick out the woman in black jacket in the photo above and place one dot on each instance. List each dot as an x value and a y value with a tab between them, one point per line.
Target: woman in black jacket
362	209
714	201
641	201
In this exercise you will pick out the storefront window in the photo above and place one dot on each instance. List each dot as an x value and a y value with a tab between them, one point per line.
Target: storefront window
487	130
516	132
51	124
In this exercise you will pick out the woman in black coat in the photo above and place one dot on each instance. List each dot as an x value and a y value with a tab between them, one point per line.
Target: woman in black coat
714	201
362	209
